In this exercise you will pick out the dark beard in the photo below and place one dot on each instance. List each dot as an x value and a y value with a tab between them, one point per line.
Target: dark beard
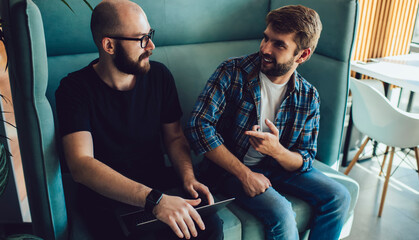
125	65
279	69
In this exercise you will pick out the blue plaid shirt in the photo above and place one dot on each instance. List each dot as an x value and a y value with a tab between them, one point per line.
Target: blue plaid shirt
229	105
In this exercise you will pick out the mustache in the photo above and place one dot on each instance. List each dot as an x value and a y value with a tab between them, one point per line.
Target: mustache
146	54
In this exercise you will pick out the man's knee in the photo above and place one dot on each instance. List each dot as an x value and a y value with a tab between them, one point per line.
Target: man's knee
344	198
282	217
282	224
339	201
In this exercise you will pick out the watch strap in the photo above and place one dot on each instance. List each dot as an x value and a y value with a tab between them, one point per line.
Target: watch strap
152	200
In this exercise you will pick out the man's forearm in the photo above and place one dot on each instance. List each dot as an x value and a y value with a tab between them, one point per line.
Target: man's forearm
225	159
109	183
291	161
85	169
179	154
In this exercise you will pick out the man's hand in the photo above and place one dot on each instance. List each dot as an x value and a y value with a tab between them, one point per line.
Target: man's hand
193	187
255	183
180	215
264	142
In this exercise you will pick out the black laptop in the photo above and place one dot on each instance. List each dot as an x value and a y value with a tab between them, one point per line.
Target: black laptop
135	219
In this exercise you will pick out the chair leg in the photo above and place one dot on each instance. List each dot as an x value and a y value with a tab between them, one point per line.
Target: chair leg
384	161
355	159
417	157
383	195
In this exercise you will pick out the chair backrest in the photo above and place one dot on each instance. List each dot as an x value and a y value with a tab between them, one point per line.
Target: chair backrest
375	116
46	41
28	73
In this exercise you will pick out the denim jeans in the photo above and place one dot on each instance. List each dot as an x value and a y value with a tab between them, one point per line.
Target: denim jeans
329	199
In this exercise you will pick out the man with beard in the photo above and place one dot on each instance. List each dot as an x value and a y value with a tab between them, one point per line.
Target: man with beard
257	119
113	116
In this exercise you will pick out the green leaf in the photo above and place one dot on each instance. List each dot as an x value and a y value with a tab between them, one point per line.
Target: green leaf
67	5
4	169
8	123
3	136
85	1
88	4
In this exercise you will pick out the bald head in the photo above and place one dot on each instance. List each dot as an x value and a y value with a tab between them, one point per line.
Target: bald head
108	18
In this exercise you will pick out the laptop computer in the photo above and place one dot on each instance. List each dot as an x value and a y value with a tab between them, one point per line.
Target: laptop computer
135	219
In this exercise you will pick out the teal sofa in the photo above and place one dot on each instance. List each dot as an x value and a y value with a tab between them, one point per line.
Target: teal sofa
46	40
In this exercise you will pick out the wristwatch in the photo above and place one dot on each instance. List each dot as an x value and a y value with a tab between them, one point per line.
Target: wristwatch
153	199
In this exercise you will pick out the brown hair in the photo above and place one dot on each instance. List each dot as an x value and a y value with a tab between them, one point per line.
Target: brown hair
304	21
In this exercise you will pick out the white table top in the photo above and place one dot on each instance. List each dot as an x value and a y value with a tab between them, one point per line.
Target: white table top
400	70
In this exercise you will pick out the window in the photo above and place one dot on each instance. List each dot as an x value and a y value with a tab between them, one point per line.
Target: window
414	46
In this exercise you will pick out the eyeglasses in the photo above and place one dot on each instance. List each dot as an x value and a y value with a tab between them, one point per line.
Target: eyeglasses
143	40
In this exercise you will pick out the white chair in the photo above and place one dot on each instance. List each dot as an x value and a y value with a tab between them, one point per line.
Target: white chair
376	117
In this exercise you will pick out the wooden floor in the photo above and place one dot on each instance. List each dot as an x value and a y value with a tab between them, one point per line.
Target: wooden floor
400	218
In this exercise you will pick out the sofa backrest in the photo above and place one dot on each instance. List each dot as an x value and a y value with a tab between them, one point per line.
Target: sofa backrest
190	32
46	41
192	38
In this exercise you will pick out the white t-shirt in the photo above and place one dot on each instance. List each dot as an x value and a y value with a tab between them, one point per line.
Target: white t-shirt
272	96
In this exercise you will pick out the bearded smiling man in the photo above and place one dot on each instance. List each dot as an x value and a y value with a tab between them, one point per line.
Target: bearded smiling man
257	122
124	64
113	117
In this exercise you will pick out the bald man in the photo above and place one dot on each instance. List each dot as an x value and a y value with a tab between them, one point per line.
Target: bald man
113	116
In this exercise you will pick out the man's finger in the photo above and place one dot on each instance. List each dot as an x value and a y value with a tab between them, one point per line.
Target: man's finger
191	226
272	127
197	218
257	141
252	142
269	182
193	202
182	225
255	134
255	127
175	228
204	189
192	191
210	198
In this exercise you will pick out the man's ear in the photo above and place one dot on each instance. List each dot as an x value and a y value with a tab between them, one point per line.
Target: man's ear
108	45
304	55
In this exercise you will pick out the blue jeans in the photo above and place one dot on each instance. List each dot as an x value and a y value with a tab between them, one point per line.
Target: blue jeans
329	200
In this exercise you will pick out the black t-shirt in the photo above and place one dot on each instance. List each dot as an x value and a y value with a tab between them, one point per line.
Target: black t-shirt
125	125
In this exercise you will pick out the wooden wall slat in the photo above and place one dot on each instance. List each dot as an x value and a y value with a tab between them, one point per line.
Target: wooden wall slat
385	28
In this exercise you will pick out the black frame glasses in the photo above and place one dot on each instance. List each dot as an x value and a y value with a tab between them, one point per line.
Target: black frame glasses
143	40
